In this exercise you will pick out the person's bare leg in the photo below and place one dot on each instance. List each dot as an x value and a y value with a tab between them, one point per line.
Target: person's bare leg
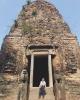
39	96
43	96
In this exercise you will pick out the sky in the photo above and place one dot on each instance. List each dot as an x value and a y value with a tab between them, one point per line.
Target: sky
69	9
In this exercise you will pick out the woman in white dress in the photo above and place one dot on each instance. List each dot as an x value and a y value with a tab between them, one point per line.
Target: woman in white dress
42	86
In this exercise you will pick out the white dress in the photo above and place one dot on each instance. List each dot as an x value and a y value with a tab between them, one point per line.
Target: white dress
42	83
42	87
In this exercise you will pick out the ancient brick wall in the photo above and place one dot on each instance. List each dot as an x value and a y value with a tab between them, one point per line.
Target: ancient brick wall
41	23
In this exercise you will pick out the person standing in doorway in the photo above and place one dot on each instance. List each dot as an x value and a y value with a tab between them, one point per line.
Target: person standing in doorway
42	90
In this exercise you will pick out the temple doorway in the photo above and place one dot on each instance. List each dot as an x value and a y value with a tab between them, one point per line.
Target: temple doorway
40	69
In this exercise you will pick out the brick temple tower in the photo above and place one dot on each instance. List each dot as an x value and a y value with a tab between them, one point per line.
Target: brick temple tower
41	41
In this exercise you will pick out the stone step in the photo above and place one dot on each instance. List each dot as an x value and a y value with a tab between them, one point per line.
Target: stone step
34	94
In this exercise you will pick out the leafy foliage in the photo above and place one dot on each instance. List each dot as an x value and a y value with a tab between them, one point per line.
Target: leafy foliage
26	28
23	13
34	13
28	2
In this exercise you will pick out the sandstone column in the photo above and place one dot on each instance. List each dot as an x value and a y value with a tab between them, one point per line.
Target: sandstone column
31	70
50	71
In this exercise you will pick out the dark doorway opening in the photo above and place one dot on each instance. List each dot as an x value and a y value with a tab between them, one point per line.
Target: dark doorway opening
40	70
28	67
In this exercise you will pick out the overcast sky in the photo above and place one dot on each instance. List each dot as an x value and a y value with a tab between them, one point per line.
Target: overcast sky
9	10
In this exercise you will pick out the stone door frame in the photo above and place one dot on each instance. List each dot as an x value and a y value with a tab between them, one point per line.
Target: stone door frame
41	53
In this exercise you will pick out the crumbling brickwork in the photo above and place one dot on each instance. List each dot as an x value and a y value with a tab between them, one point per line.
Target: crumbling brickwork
41	23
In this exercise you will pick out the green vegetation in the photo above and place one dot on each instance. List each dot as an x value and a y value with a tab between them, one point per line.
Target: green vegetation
34	13
26	28
15	23
28	2
23	13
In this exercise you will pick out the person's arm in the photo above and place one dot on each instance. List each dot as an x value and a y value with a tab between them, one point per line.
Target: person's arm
45	84
40	85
